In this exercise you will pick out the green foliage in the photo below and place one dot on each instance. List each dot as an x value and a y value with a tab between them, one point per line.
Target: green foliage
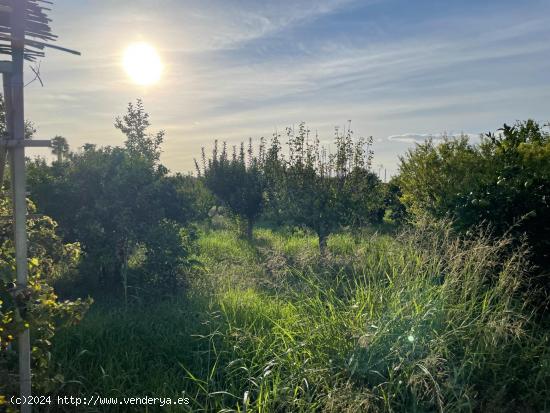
322	191
432	176
186	198
60	148
139	142
30	129
107	201
517	195
503	181
167	258
395	211
238	182
308	187
422	322
37	305
111	200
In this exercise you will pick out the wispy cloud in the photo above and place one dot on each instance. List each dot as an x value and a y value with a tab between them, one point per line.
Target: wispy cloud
423	137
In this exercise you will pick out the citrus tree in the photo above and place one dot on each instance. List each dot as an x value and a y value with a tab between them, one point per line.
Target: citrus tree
502	182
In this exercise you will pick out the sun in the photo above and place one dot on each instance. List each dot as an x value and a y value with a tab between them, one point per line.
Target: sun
142	63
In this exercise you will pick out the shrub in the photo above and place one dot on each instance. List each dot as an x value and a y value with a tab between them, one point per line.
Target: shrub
37	306
167	259
502	182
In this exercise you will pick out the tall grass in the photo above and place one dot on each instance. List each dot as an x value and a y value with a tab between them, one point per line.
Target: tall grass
422	322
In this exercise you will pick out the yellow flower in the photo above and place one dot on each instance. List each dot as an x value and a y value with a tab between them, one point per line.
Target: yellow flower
10	337
2	400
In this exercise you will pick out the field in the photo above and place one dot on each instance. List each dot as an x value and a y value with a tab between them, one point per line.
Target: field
418	321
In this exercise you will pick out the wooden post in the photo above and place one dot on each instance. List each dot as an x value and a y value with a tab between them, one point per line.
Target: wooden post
17	157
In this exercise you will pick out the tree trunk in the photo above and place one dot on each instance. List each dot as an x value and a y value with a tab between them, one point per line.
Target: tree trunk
124	273
249	229
123	256
323	244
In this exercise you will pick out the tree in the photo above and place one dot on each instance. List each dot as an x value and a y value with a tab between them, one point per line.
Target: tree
105	199
134	125
433	176
322	191
60	148
502	182
110	199
238	182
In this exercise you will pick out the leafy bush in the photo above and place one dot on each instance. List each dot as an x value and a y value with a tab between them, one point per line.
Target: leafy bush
186	198
107	201
167	260
503	182
36	306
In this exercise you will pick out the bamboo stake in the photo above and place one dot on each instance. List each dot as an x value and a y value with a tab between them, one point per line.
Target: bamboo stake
19	186
4	153
7	91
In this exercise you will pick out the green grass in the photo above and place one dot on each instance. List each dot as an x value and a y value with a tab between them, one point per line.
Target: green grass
418	323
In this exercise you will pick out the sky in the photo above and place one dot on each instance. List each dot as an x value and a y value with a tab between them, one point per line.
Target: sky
400	70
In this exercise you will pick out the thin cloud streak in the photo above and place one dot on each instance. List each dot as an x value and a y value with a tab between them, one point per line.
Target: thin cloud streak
423	137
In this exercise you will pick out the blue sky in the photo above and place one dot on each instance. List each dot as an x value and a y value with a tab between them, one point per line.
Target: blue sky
399	70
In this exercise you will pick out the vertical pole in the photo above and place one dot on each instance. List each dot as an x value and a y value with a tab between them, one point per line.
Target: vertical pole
19	184
6	80
2	166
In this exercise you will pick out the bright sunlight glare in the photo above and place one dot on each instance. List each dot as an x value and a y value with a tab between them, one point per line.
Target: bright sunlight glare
142	63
